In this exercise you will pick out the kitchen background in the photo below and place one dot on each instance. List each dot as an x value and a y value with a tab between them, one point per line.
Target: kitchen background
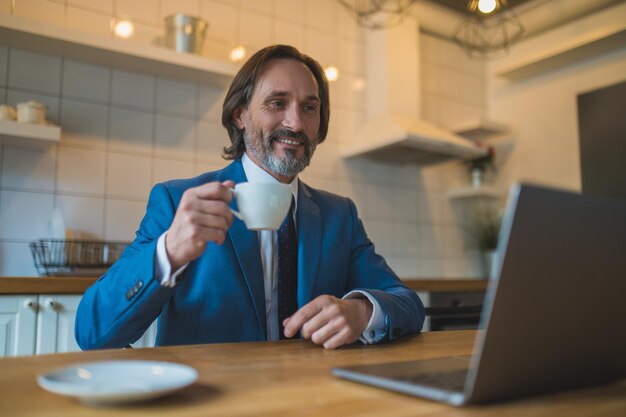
122	131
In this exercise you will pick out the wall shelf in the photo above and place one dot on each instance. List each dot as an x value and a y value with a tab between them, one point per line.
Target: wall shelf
27	133
572	43
483	192
480	129
101	50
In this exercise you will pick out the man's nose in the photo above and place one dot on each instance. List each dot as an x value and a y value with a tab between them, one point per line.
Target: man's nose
293	119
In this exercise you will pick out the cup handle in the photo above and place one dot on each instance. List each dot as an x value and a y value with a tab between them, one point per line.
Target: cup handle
236	213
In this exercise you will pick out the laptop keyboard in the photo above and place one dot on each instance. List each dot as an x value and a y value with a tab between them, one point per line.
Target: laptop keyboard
449	381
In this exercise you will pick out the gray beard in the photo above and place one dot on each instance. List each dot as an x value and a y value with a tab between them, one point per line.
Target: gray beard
289	166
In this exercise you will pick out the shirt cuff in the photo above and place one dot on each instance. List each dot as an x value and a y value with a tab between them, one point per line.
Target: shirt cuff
376	328
163	268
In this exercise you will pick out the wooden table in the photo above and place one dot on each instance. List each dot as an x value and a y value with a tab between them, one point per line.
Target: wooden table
290	378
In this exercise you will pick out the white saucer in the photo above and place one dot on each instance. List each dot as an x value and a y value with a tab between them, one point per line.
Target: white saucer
114	382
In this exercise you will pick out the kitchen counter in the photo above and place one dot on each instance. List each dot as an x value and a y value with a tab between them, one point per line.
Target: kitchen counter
78	285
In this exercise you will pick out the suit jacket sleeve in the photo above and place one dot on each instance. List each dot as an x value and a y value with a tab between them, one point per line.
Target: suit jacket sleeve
403	310
122	304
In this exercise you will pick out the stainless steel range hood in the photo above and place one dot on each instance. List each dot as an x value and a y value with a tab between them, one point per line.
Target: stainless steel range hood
394	131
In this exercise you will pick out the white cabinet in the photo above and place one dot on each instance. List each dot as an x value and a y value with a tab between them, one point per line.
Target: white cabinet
18	320
44	323
37	324
55	324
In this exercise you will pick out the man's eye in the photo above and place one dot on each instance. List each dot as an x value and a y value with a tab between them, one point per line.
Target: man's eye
277	104
312	108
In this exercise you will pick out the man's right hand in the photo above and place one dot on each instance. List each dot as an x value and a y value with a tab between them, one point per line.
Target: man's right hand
202	216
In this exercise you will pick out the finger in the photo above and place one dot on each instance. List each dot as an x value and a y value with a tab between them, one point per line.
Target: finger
213	191
296	321
315	323
325	332
338	340
215	208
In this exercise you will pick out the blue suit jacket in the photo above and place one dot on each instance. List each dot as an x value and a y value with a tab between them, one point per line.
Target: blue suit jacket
220	297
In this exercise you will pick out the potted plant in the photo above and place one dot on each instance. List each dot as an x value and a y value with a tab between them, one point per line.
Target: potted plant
478	166
483	230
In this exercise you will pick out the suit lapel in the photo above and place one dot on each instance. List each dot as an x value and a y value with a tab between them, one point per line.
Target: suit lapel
246	245
309	224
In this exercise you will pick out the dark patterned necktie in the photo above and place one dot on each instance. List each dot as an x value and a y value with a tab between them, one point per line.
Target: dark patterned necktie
287	269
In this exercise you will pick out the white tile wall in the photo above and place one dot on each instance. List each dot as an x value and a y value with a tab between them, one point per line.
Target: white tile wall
322	15
176	97
5	6
124	131
168	169
210	101
84	124
88	21
81	80
4	63
259	6
132	89
16	259
99	5
35	72
122	218
256	30
210	140
174	137
128	175
24	215
83	215
81	171
40	10
290	10
168	7
145	10
223	20
29	168
130	131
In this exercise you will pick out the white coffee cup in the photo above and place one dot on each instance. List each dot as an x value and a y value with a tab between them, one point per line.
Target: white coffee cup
7	112
262	205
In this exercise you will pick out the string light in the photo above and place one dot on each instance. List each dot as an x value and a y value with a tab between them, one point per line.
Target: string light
487	6
124	29
332	73
237	54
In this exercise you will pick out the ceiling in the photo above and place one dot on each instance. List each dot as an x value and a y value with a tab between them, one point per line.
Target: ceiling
460	6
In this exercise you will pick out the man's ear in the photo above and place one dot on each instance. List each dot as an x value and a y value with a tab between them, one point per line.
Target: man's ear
237	117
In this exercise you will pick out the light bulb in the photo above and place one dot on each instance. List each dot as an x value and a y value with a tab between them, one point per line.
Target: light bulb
237	54
332	73
487	6
124	29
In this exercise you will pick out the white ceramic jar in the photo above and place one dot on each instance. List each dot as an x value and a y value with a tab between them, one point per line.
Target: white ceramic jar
31	112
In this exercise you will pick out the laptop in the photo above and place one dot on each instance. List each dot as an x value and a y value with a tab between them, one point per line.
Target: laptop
554	315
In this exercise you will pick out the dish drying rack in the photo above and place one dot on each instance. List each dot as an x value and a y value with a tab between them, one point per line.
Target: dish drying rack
75	257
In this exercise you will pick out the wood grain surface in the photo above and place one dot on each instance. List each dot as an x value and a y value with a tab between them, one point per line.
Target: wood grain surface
288	378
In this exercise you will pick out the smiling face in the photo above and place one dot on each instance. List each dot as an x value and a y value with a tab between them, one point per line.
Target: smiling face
282	119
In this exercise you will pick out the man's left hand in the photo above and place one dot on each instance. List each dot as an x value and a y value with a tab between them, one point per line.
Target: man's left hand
330	321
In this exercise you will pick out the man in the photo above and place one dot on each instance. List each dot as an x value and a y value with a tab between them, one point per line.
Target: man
209	279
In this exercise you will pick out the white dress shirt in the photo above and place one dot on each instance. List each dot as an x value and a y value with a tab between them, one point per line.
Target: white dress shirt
269	258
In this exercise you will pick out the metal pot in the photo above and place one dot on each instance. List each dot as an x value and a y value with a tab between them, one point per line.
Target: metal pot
185	33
